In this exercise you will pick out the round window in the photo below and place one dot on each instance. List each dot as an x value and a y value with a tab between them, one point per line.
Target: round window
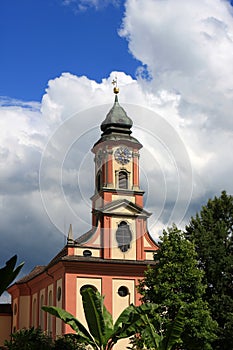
123	291
58	293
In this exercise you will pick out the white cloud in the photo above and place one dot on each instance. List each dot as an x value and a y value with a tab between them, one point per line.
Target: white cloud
188	48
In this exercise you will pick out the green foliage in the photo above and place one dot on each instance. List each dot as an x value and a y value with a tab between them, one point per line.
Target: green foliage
212	233
68	342
101	332
29	339
176	282
83	335
150	338
36	339
8	273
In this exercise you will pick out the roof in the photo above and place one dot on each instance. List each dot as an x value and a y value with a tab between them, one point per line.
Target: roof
117	117
86	236
112	206
37	270
117	125
94	260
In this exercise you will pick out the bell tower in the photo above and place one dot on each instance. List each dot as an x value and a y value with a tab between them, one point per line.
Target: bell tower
117	204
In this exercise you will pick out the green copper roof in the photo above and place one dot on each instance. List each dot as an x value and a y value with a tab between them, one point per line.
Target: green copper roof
116	126
116	120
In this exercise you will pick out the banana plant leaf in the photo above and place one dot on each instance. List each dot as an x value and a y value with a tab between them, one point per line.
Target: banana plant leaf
129	322
150	335
8	273
165	341
174	331
82	333
99	320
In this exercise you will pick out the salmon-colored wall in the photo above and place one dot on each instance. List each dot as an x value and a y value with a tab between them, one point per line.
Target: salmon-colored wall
24	312
70	298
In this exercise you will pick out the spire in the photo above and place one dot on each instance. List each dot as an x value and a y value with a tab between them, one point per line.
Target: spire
116	89
70	238
117	125
117	120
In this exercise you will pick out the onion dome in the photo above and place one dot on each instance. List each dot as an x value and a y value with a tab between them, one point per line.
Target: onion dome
116	126
116	120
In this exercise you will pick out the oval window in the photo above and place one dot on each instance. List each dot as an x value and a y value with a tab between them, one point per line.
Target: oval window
123	236
87	252
58	293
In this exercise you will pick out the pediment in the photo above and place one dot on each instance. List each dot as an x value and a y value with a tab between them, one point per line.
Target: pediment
123	207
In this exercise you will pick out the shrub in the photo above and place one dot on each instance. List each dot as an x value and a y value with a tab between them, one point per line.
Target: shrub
29	339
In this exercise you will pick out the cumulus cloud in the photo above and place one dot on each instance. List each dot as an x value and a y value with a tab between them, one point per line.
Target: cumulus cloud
187	48
182	115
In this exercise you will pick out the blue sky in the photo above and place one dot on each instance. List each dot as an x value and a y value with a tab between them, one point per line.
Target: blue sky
42	39
58	59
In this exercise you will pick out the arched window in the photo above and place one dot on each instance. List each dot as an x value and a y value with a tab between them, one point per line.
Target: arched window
123	236
41	312
99	180
50	302
34	313
88	286
123	179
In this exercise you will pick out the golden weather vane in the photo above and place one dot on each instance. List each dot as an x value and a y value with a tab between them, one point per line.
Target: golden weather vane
116	88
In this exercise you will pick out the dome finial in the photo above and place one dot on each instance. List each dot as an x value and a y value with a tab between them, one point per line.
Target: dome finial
116	89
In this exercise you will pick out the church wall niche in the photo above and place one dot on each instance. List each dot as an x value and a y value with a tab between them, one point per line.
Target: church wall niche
59	300
34	310
120	301
50	303
41	312
15	314
81	282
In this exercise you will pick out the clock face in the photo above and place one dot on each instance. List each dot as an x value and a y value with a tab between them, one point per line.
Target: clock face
122	155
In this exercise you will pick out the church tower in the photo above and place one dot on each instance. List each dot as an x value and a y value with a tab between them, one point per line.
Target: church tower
118	217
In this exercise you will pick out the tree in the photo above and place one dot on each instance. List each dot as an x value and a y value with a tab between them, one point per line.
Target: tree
211	231
8	273
175	282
